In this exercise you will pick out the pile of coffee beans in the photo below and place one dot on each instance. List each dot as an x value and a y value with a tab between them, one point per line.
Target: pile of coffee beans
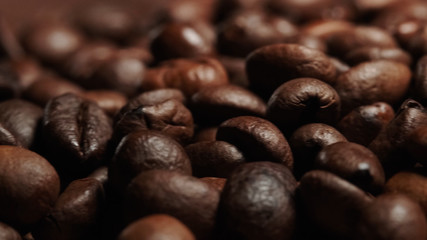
215	120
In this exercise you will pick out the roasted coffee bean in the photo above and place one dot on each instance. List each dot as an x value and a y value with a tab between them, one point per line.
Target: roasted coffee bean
217	183
8	233
393	216
214	158
187	75
27	71
375	5
417	143
258	203
366	54
110	101
205	134
340	66
142	151
269	67
48	87
213	105
189	199
105	20
9	45
307	141
227	8
170	117
180	40
9	85
21	119
76	133
257	138
101	175
326	28
156	227
332	203
235	70
301	101
76	214
192	11
52	42
342	42
411	184
372	82
390	144
353	162
364	123
420	83
309	41
251	29
30	187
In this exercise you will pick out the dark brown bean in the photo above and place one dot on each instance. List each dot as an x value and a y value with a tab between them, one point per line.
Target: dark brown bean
325	28
30	187
340	66
309	41
9	85
76	214
364	123
214	158
372	82
213	105
354	163
205	134
332	203
417	143
235	69
8	233
420	80
269	67
27	71
217	183
189	199
257	138
301	101
156	227
258	203
366	54
76	133
142	151
192	11
307	141
9	44
110	101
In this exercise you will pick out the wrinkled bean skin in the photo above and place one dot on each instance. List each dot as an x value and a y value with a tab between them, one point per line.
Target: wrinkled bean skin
372	82
214	158
142	151
270	66
76	214
258	202
194	201
301	101
257	138
29	189
396	215
78	128
354	163
332	203
217	104
157	227
364	123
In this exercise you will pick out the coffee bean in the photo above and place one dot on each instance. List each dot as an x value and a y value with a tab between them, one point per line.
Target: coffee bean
142	151
309	41
420	83
101	175
417	142
214	158
270	66
8	233
235	70
258	202
189	199
205	134
77	128
307	141
364	123
9	44
326	28
257	138
366	54
340	66
191	11
217	183
30	187
110	101
301	101
354	163
9	86
27	71
156	227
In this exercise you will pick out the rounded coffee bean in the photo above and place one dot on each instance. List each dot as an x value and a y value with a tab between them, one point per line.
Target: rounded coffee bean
307	141
145	150
8	233
309	41
27	71
326	28
372	82
340	66
366	54
417	143
101	175
213	105
364	123
156	227
214	158
258	202
110	101
235	67
393	216
353	162
78	129
270	66
257	138
30	187
420	83
301	101
187	198
217	183
332	203
76	214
